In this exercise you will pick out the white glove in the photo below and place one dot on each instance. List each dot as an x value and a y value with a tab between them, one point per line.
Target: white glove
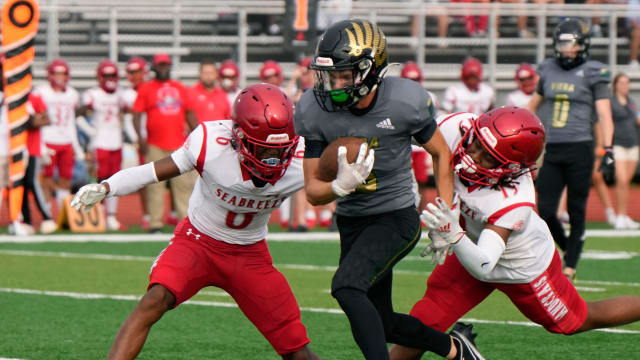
350	176
444	220
439	248
88	196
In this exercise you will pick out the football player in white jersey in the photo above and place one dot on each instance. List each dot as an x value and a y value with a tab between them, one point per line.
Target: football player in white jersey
247	168
229	77
526	79
105	104
137	71
60	137
471	94
505	245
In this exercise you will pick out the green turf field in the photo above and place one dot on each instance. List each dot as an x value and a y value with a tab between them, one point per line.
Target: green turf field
62	300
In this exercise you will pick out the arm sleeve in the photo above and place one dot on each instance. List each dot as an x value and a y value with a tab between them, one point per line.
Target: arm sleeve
192	153
132	179
480	259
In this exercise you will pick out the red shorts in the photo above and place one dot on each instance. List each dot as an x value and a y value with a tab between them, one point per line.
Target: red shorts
108	162
550	300
419	165
62	159
193	261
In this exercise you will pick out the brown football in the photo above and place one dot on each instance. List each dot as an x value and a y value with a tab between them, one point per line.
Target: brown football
328	166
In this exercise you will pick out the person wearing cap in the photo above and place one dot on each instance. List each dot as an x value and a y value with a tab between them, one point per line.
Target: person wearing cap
169	120
208	100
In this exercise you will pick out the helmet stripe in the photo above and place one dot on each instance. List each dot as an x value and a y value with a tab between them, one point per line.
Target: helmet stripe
356	49
367	34
359	35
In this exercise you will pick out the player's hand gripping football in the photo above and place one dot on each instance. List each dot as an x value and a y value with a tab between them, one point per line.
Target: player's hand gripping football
443	220
350	176
607	164
88	196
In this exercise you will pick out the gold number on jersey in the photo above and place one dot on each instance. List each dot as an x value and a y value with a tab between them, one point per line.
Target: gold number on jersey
560	110
372	182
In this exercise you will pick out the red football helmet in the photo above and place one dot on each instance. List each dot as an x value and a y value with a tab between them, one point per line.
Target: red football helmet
108	76
526	78
471	74
263	122
228	75
56	67
513	136
271	68
137	70
411	71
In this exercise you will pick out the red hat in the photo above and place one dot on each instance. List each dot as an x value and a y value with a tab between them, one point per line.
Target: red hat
161	58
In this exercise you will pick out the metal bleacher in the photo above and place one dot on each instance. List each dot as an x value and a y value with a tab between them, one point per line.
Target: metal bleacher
83	32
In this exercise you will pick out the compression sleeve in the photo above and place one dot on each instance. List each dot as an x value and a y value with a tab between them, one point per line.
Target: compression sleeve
132	179
480	259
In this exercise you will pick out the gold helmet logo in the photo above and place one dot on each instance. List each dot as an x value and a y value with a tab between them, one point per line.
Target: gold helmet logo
367	36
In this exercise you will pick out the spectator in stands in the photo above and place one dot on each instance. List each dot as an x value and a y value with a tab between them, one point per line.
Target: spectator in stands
471	94
229	76
443	23
633	23
32	176
271	73
60	137
526	79
105	103
169	120
476	25
137	71
625	145
208	101
523	32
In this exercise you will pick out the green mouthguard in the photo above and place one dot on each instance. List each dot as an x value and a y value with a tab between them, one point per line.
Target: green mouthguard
339	96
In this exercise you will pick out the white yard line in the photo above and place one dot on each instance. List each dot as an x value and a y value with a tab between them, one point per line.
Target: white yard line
91	296
275	237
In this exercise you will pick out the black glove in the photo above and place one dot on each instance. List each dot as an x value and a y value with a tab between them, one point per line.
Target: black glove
607	165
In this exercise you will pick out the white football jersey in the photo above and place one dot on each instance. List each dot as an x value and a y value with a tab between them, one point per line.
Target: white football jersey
232	96
458	98
530	247
225	204
61	109
106	117
518	98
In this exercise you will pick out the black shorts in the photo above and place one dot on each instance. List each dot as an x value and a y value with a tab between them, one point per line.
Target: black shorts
371	245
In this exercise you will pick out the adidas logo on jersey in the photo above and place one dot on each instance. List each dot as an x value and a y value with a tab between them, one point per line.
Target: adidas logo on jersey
386	124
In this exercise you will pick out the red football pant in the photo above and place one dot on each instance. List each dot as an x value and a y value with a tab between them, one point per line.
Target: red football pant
108	162
193	261
62	160
550	300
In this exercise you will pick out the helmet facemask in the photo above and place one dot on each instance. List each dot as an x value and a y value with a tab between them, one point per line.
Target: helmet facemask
335	98
265	160
471	172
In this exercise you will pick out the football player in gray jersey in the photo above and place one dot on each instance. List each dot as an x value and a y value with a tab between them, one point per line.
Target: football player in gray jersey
377	218
570	89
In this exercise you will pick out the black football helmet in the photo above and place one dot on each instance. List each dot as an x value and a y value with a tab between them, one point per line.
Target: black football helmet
568	33
356	45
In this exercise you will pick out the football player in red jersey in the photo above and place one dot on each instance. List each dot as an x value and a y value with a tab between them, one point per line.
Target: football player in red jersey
247	169
505	245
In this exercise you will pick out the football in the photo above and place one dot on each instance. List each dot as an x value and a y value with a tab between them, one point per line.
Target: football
328	166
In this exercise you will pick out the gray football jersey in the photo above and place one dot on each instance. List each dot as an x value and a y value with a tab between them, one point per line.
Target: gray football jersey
402	109
568	109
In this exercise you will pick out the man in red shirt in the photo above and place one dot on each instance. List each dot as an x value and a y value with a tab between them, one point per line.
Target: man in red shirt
208	101
169	121
38	118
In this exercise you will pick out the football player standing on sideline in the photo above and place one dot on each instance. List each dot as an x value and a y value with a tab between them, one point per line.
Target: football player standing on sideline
564	101
377	217
471	94
506	246
247	168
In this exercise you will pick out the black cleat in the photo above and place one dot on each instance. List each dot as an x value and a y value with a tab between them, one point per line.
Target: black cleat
463	338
